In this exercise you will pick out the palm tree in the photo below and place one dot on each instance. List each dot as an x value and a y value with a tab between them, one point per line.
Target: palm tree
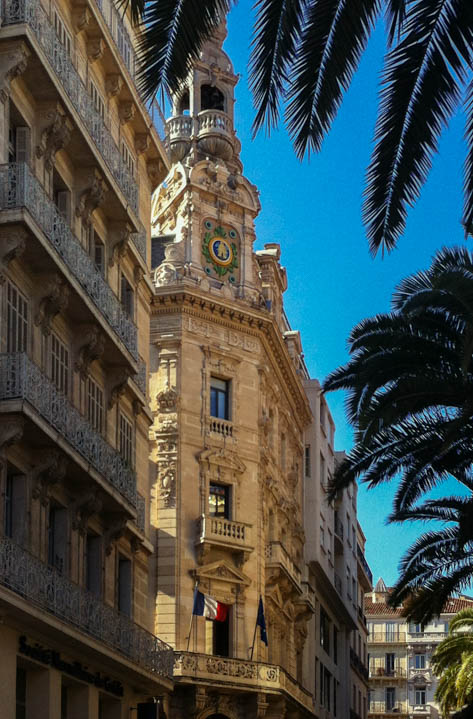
410	400
452	661
304	55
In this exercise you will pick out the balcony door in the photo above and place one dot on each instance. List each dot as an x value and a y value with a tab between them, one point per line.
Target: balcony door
390	698
389	665
391	631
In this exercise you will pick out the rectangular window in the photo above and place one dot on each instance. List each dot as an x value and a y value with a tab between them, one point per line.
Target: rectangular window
416	628
219	398
17	320
420	696
389	664
20	693
95	412
14	508
324	631
348	583
97	99
98	254
419	661
59	364
327	688
62	33
19	143
93	561
57	538
323	411
124	586
323	472
127	297
219	501
128	158
390	698
391	631
307	468
62	200
126	440
335	644
335	690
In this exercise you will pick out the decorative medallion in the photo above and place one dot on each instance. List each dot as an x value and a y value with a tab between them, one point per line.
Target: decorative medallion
219	251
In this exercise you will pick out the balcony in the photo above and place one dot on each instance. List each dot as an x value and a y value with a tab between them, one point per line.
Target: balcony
44	587
221	427
380	672
32	13
338	534
21	379
215	134
20	189
255	676
178	136
387	638
338	584
387	708
426	637
421	710
364	565
357	663
225	534
277	556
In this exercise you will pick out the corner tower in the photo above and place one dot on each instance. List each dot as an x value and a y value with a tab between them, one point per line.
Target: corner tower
229	412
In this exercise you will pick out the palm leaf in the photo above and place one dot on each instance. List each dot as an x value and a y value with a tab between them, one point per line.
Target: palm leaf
333	38
420	92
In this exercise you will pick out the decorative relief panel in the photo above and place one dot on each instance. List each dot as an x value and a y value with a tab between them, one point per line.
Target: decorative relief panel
166	429
231	337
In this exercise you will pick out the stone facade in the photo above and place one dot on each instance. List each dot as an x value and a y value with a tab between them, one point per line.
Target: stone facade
79	159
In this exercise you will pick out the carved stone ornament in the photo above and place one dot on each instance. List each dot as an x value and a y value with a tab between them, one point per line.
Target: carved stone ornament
126	111
113	84
138	274
91	348
95	48
167	398
118	382
50	470
142	142
261	705
12	246
92	197
164	275
80	18
11	431
156	171
53	302
122	236
83	508
55	136
167	485
13	63
115	530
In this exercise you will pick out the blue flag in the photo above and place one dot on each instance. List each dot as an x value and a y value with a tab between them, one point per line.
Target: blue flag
261	623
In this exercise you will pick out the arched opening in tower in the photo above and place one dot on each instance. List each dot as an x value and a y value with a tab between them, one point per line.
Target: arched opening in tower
211	98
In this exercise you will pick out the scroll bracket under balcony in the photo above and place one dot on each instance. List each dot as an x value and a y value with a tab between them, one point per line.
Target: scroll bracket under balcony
12	246
118	383
54	301
50	470
13	61
120	244
115	531
11	431
55	134
83	508
92	197
90	350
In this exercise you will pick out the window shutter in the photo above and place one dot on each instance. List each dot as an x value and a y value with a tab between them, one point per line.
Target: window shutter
22	149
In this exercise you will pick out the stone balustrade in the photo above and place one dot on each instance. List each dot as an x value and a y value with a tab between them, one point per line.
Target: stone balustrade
211	121
276	554
221	426
226	532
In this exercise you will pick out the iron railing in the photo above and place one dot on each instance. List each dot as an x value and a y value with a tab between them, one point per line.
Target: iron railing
44	587
20	378
19	188
32	13
139	240
364	563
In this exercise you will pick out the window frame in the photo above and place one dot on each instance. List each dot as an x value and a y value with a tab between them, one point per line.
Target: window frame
216	395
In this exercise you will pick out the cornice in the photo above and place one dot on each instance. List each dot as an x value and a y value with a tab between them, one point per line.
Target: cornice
244	319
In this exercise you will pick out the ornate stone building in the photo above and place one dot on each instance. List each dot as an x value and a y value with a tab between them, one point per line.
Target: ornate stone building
229	411
79	159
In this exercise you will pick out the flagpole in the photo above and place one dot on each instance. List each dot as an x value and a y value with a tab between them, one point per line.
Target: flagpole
192	618
254	638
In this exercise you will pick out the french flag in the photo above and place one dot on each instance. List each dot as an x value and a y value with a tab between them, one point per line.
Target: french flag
205	606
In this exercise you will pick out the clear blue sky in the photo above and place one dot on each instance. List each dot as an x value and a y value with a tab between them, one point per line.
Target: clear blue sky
313	209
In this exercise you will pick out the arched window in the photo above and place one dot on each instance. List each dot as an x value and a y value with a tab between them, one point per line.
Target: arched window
211	98
183	104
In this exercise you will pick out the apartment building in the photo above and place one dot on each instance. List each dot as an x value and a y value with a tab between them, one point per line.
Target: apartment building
400	675
79	159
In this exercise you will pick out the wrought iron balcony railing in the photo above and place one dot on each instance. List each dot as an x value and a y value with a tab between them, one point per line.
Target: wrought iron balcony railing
386	637
379	671
18	189
387	708
21	379
32	13
45	588
140	377
364	563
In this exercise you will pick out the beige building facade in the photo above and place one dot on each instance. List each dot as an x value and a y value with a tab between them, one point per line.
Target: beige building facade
400	675
79	159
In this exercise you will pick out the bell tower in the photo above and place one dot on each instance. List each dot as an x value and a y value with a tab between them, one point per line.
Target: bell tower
203	214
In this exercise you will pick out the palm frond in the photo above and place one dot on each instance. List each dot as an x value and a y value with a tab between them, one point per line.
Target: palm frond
420	92
333	38
277	29
395	16
468	171
173	32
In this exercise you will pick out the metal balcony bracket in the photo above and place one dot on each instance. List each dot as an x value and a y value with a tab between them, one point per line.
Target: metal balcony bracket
12	246
50	470
92	345
54	301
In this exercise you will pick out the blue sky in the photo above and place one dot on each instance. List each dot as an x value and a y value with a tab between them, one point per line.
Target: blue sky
313	209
